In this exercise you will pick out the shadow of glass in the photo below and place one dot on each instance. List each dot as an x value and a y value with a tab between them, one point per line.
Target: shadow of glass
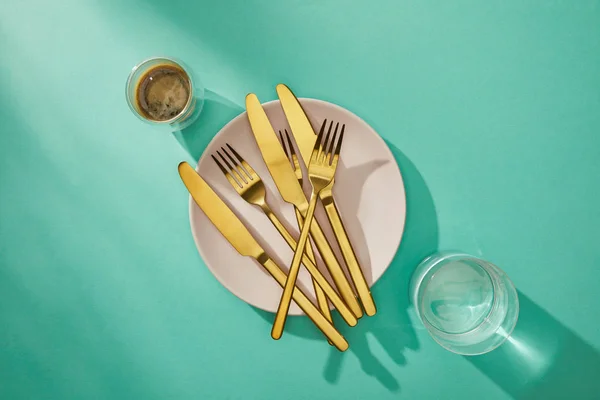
542	359
391	326
217	112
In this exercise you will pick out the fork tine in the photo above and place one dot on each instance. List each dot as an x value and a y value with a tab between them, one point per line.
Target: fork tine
326	142
232	169
329	153
285	150
282	142
291	146
237	165
323	144
324	124
323	157
331	144
338	148
323	127
251	173
223	170
318	147
230	178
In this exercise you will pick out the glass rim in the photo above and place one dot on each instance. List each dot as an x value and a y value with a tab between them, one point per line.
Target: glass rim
495	285
189	103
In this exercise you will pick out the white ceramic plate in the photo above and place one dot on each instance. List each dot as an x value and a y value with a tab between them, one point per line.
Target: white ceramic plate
369	192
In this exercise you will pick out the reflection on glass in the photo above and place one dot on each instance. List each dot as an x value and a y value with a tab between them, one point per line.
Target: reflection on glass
468	305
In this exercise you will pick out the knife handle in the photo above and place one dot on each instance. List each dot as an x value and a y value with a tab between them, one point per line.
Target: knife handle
305	304
309	262
290	283
335	270
319	293
356	273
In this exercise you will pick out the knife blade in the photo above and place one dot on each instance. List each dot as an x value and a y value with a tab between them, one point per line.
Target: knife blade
273	154
219	213
301	128
242	240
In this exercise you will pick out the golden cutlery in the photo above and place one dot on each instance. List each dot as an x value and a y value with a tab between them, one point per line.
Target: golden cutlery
291	155
291	192
305	137
321	170
242	240
356	272
251	188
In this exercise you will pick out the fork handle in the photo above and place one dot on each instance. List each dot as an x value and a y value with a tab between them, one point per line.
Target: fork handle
356	273
319	293
286	297
309	261
335	269
309	309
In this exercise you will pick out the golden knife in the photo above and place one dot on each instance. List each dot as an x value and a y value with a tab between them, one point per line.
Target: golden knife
242	240
305	138
291	191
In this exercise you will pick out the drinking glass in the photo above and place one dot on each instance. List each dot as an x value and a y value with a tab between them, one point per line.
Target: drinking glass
468	305
190	111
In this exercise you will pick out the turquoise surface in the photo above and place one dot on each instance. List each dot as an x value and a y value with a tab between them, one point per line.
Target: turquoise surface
492	110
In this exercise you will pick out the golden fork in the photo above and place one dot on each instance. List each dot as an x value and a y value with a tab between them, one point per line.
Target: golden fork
321	171
251	188
291	154
356	273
